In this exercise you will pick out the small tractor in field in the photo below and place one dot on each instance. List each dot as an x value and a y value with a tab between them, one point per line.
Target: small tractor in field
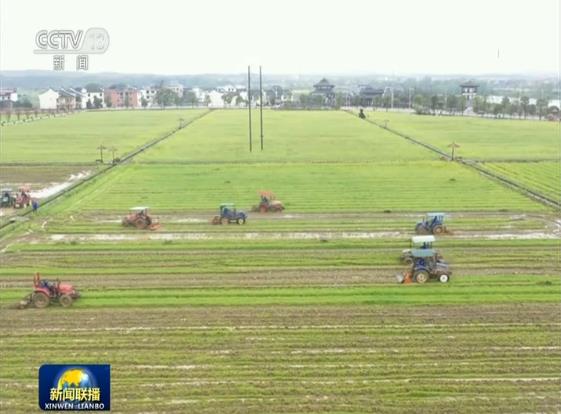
229	214
426	265
46	292
138	217
433	223
23	198
418	242
8	199
268	203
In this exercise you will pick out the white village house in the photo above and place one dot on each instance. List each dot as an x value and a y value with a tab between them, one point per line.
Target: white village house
8	95
48	99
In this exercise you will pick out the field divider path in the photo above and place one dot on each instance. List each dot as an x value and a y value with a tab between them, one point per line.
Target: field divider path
550	202
124	160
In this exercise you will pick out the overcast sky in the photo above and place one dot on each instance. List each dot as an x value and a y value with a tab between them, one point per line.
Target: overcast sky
294	36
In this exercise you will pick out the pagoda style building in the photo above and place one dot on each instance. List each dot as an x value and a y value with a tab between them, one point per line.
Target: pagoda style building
325	89
469	90
368	94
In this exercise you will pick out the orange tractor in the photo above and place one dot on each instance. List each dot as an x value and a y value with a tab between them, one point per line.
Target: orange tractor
23	197
138	217
46	292
268	203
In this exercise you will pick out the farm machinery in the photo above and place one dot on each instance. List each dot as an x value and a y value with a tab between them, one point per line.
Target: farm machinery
433	223
418	242
138	217
426	265
8	199
20	199
268	203
228	214
46	292
23	198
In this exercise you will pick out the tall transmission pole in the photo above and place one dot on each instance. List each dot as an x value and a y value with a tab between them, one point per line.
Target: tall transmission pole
249	105
261	105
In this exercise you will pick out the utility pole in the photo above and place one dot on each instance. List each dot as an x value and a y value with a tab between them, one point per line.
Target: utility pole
453	145
410	97
249	105
101	148
261	105
113	151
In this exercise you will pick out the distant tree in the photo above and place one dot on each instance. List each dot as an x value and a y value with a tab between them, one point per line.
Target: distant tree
93	87
452	104
304	99
524	102
165	97
462	104
239	100
541	107
339	100
108	102
207	100
434	103
189	97
478	105
144	102
532	110
127	100
97	102
505	105
89	104
497	110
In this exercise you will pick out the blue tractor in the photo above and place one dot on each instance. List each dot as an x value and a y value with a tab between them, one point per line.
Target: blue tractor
418	242
427	264
229	214
433	223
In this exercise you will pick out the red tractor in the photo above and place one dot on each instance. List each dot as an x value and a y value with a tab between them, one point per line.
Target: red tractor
138	217
23	198
46	292
268	203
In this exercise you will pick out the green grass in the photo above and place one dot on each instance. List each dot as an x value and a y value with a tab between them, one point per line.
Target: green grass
472	290
75	138
286	325
308	136
542	177
480	139
417	186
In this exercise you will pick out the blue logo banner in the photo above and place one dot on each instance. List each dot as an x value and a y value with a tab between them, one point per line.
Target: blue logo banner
75	387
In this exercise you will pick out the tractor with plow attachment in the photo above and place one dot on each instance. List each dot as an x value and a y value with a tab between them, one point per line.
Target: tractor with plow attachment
418	242
138	217
228	214
432	223
46	292
268	203
426	264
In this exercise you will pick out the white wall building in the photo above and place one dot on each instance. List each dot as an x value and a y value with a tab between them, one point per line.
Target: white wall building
89	96
48	99
8	95
149	94
216	100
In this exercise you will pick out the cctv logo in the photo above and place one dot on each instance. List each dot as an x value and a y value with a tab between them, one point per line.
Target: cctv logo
95	41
